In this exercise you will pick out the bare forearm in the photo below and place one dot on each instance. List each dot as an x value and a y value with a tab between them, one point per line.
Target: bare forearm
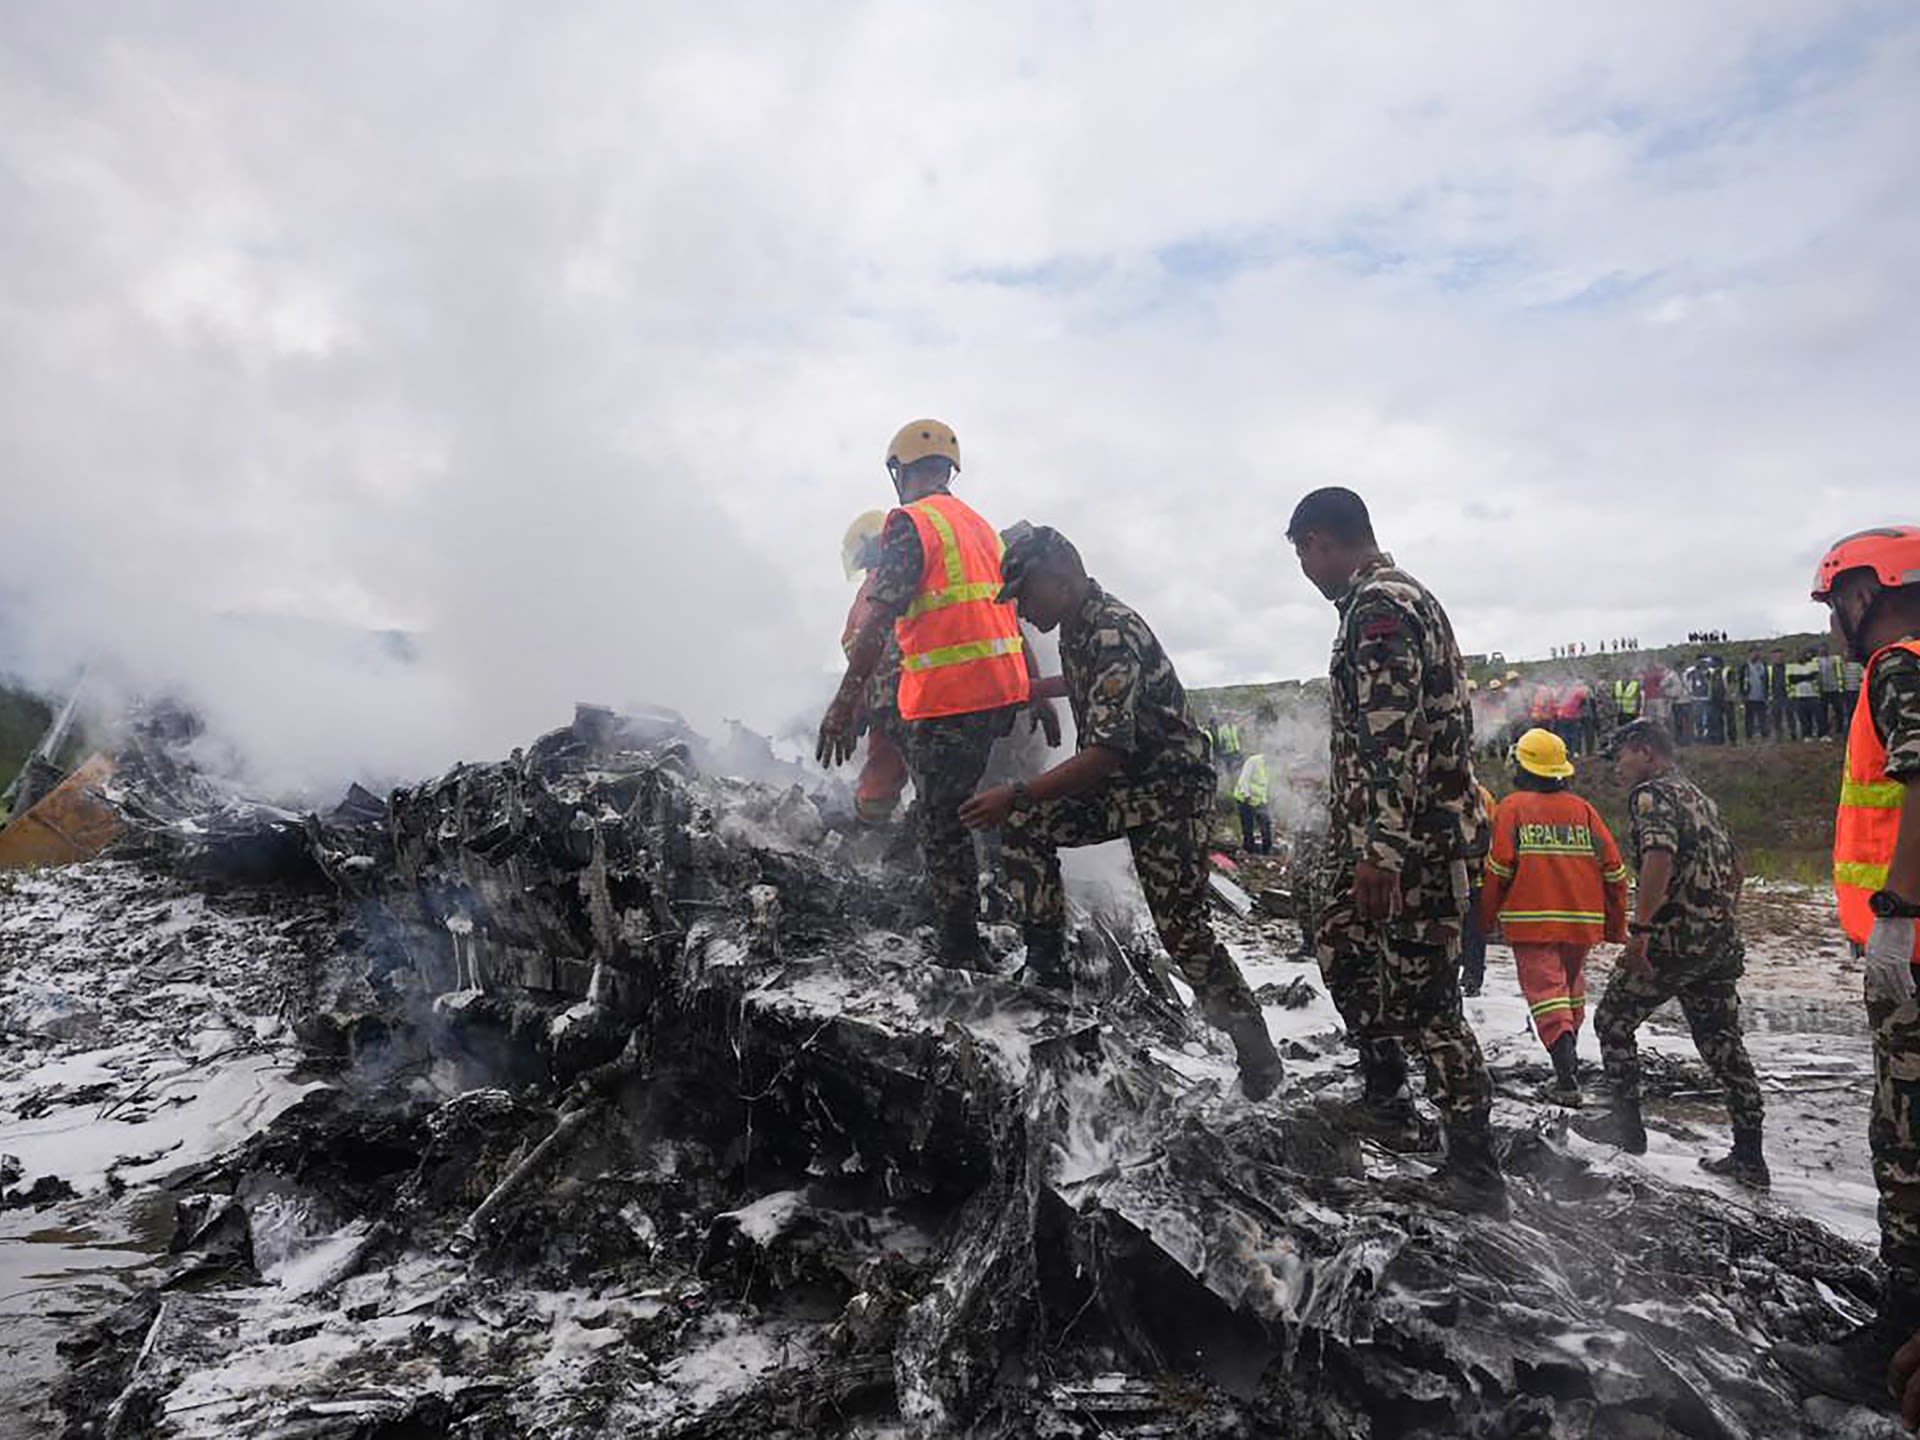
1076	776
1051	687
1656	877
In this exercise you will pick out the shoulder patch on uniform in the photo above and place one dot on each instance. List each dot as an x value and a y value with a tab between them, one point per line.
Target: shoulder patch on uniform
1380	627
1643	802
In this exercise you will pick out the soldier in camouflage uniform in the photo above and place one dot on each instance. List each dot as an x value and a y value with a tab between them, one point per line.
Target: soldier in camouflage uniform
1406	816
1143	770
1682	944
1871	581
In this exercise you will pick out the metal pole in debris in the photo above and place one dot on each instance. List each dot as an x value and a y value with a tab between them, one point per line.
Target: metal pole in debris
467	1238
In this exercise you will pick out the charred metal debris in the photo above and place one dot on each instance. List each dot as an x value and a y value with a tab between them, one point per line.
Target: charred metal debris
646	1113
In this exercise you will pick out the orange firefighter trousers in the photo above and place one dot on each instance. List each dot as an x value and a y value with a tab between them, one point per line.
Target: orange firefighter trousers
1553	977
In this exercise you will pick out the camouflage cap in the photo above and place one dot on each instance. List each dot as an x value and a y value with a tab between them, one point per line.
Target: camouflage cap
1649	733
1028	547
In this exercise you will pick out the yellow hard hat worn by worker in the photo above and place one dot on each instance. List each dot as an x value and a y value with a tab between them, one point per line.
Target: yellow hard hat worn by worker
857	545
1543	753
920	439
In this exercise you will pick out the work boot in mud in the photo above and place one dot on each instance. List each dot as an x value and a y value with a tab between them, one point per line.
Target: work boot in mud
1854	1367
1046	962
1565	1089
1620	1127
1470	1177
1744	1164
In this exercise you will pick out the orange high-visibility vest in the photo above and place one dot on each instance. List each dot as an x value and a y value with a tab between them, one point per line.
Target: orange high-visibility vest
960	649
1573	702
1546	702
1868	825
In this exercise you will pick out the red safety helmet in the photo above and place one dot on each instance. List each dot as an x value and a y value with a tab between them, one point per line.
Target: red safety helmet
1891	552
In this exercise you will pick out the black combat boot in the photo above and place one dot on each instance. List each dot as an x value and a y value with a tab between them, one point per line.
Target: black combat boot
1744	1164
1620	1127
1046	963
1260	1069
1565	1089
1854	1367
959	946
1231	1007
1386	1112
1470	1176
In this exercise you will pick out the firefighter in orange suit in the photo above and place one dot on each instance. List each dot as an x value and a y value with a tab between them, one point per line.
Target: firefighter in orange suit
1556	886
1871	583
964	668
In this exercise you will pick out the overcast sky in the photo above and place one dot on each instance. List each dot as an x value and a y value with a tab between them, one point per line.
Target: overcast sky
571	336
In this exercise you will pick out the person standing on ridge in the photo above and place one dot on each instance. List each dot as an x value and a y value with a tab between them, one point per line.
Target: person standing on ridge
1407	816
964	668
1556	886
1142	770
1681	944
1870	582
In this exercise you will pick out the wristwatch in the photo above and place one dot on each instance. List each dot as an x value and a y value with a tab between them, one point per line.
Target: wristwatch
1022	797
1889	906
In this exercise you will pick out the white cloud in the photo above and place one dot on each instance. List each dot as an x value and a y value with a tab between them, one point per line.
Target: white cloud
571	336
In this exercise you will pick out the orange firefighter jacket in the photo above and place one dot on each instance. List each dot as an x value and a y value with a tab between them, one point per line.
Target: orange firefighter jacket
960	649
1554	873
1868	825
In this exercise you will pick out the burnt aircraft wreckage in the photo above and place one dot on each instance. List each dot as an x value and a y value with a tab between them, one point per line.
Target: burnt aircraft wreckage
636	1107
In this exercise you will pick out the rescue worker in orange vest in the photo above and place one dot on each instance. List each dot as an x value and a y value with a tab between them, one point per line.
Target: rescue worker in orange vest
964	668
1556	886
1570	713
884	775
1871	583
1546	704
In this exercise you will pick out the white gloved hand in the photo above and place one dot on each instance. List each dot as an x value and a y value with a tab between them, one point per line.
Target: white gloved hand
1890	961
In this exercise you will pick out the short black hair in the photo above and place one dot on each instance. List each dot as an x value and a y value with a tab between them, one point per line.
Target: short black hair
1332	510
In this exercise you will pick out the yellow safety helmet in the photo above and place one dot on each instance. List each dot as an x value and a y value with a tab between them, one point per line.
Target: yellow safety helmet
1543	753
918	439
864	530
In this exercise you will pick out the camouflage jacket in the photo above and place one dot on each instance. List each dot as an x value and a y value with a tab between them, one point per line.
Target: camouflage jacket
1402	785
1670	812
1893	698
1126	697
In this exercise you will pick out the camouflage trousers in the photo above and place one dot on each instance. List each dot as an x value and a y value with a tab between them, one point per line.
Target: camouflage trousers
1390	986
1167	832
1706	988
946	757
1893	1135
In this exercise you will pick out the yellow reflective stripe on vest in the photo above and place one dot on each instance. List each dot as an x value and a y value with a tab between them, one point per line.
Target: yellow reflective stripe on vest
1873	794
949	546
1577	917
1860	875
963	654
953	595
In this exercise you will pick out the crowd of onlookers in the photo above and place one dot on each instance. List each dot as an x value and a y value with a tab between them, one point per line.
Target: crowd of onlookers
1712	700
